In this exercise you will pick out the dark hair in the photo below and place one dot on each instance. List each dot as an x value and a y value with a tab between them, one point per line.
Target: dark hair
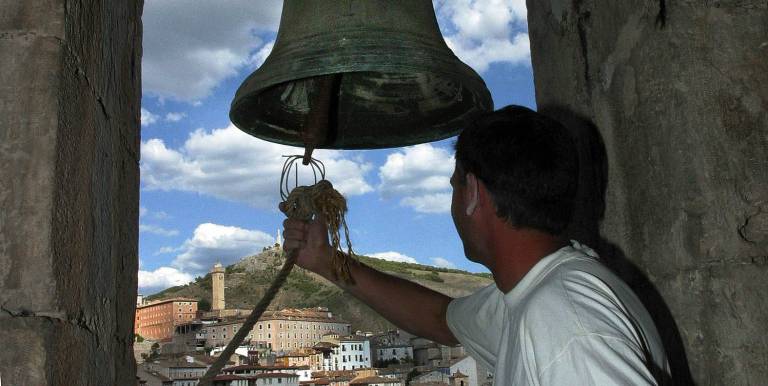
529	164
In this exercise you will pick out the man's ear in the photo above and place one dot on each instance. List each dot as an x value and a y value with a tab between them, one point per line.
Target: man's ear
473	193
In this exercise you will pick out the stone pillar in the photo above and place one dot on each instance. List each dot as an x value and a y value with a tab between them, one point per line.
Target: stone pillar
678	91
69	178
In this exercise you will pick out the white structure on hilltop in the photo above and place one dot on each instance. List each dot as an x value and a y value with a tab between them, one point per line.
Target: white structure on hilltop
279	239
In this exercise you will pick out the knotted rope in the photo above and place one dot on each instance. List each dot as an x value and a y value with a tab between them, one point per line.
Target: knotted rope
303	203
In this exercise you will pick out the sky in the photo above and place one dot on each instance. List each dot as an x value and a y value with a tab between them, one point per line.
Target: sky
209	192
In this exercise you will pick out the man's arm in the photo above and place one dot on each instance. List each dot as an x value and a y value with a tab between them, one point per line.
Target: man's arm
410	306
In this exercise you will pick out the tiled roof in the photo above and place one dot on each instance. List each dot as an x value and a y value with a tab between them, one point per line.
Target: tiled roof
370	380
264	368
317	381
156	302
227	377
274	375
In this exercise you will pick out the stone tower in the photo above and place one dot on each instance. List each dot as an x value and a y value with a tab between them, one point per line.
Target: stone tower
217	276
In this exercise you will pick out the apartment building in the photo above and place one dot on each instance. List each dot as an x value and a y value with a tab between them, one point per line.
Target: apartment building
157	320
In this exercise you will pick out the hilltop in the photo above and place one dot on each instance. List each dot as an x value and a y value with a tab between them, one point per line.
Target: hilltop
248	279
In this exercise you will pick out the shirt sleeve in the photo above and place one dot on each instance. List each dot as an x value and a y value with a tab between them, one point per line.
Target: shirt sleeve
476	322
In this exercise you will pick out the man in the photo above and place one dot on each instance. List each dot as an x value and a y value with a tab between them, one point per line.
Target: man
555	314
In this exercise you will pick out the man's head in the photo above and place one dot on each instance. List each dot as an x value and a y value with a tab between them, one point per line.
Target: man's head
527	163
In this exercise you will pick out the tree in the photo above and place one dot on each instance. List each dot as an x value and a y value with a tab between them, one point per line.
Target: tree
204	305
154	351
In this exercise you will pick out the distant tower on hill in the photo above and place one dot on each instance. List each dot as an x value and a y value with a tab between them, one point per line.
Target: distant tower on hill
279	239
217	275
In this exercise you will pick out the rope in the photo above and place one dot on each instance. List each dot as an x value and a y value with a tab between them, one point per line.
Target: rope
274	288
304	203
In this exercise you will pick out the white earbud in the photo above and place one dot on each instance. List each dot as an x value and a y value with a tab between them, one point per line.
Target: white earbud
475	197
471	207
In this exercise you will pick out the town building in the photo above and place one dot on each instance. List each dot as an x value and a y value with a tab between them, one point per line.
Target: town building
340	353
220	333
282	331
275	379
302	357
429	353
181	371
270	375
462	371
353	353
291	329
374	381
158	320
390	348
229	380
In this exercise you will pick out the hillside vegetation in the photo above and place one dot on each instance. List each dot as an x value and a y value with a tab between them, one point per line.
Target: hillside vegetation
248	279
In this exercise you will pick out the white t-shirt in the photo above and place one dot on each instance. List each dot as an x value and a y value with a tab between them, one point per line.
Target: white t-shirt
569	321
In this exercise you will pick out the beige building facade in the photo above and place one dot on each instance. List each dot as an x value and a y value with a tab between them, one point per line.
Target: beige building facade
291	329
284	330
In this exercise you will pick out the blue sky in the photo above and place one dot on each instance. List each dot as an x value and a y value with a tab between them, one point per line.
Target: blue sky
210	192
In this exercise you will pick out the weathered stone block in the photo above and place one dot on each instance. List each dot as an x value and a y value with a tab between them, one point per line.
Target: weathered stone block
678	92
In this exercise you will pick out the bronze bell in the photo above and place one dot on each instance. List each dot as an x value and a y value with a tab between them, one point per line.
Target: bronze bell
378	72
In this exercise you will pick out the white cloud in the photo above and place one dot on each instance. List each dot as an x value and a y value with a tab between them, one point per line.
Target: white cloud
211	243
191	46
175	116
259	57
481	32
144	212
161	278
442	263
154	229
160	215
164	250
393	256
429	203
231	165
147	118
420	176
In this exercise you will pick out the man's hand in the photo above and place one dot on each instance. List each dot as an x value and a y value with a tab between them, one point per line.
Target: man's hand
310	241
416	309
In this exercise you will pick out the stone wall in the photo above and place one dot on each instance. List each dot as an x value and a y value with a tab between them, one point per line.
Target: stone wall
678	94
69	178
